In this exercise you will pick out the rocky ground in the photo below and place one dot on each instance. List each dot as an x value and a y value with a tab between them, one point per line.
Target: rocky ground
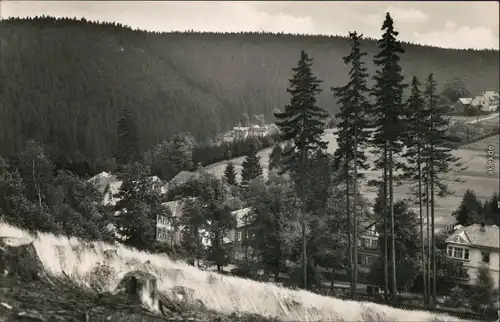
64	301
27	293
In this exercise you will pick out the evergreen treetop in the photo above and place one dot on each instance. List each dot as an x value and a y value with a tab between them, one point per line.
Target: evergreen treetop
230	174
352	133
251	167
303	121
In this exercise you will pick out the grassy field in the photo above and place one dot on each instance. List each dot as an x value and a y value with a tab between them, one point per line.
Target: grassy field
223	294
475	177
484	145
486	118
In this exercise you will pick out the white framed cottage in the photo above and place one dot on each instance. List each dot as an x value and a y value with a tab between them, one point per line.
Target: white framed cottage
487	101
476	245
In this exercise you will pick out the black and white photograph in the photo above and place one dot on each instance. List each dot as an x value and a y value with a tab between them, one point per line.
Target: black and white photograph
249	161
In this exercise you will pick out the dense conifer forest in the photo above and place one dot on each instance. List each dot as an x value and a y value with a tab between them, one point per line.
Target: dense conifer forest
64	81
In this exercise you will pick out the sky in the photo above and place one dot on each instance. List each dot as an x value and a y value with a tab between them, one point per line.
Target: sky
472	24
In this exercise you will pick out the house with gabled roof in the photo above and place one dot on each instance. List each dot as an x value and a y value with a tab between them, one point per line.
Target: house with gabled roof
486	101
476	245
462	104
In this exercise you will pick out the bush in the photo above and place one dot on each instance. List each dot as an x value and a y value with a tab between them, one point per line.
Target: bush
457	298
100	276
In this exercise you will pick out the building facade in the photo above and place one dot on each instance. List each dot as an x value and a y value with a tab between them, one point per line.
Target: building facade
476	245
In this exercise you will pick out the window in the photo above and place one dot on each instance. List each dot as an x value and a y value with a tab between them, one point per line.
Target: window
485	257
369	243
458	252
365	260
161	234
239	236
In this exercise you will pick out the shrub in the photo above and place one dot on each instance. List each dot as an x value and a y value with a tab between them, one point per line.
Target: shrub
100	276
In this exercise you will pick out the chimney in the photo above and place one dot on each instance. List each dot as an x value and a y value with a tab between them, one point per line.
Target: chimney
482	227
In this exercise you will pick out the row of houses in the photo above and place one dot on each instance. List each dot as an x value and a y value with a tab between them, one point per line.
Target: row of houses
244	132
475	245
486	101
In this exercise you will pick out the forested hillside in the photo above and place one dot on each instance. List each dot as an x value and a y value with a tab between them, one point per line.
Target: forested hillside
64	81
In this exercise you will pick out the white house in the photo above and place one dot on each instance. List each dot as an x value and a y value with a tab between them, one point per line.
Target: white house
487	101
108	185
476	245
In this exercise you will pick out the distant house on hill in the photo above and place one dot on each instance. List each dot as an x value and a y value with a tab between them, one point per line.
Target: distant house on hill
182	178
476	245
368	243
462	104
108	185
236	237
240	133
487	101
166	229
256	130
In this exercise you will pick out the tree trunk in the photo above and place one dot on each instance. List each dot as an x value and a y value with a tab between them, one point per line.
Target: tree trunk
433	229
33	173
422	240
332	282
386	248
245	241
355	222
304	208
349	232
198	246
428	236
393	232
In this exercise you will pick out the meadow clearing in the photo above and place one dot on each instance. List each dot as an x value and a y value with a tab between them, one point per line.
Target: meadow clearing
475	177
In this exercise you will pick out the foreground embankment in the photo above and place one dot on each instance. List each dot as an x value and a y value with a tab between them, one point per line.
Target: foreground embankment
100	266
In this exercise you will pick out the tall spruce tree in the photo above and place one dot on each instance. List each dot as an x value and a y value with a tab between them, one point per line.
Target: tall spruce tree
440	161
128	143
302	123
389	126
275	157
353	136
417	117
251	167
230	174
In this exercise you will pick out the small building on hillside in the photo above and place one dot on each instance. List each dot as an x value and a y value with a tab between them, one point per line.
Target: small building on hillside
182	178
486	101
236	237
108	185
240	133
368	243
462	104
476	245
257	131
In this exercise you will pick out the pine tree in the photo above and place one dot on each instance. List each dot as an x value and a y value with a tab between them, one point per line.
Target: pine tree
389	124
439	160
491	213
275	157
230	174
303	124
352	136
482	291
140	201
251	167
416	117
469	211
128	143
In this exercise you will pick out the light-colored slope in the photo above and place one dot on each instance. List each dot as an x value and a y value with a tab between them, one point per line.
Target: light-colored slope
475	178
223	294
